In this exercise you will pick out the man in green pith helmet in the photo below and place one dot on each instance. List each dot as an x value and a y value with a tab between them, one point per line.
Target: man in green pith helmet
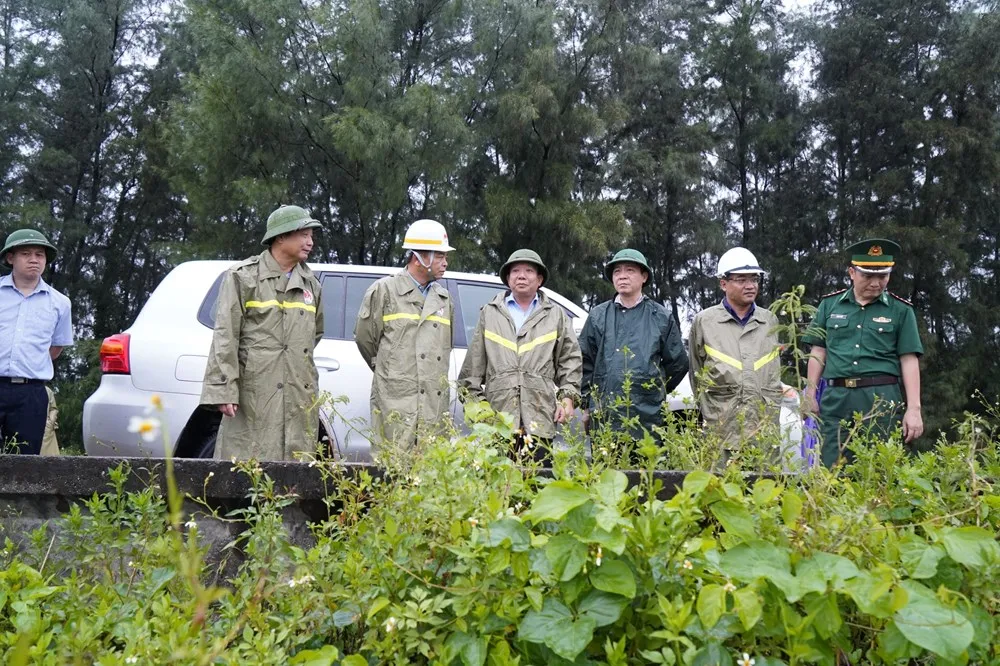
631	336
35	324
524	358
864	344
261	374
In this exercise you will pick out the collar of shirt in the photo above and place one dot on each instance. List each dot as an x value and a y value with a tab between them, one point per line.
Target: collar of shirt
8	281
618	301
517	313
422	289
849	296
742	320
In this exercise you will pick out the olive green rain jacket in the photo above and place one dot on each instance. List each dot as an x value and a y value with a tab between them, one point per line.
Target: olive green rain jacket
267	325
523	373
405	338
742	377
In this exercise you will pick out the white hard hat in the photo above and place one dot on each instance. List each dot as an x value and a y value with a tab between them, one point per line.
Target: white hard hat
738	260
427	235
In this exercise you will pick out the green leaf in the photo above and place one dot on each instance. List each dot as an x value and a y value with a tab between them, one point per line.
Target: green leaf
817	571
927	622
376	606
567	555
471	649
354	660
506	531
325	656
919	558
556	500
825	613
971	546
791	508
712	654
734	518
748	607
615	577
556	627
875	594
759	559
611	487
711	604
696	482
605	608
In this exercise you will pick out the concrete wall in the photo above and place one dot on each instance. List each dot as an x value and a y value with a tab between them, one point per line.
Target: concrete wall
35	490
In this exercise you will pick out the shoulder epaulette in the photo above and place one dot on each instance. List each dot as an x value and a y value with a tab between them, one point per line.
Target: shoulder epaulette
900	298
250	261
834	293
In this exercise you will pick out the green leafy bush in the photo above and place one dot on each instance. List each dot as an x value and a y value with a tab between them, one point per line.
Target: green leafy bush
461	557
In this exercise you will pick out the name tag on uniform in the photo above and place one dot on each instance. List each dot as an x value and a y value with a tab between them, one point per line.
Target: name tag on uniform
838	316
882	320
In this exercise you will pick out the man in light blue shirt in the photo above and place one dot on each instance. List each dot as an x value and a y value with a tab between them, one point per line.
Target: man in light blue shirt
35	325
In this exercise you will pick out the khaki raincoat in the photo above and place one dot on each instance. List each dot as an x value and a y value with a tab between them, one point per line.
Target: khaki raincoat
267	325
742	382
524	373
405	338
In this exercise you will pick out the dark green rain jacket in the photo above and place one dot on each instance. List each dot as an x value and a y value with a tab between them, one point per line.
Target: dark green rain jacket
656	360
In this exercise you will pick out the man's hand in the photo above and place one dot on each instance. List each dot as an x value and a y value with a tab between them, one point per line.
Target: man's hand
564	410
229	410
808	405
913	424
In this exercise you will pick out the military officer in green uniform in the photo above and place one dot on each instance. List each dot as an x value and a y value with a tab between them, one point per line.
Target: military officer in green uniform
864	344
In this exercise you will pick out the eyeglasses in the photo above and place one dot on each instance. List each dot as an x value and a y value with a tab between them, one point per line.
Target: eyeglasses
745	279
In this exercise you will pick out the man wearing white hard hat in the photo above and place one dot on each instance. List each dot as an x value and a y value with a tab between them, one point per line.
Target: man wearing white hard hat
733	350
404	334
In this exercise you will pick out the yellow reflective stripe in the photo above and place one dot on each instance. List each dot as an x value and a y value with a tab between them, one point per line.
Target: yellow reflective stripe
729	360
523	349
260	305
500	340
400	315
415	317
764	360
528	346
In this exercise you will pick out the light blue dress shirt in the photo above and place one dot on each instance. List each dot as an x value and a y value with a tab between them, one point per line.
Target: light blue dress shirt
517	314
29	325
423	289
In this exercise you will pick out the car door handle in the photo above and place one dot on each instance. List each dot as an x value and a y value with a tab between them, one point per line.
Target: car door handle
327	364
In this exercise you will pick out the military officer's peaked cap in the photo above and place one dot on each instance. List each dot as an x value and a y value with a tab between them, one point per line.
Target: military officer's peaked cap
875	255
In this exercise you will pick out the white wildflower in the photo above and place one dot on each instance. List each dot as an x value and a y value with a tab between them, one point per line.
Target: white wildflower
687	565
600	555
131	660
390	625
148	429
191	525
729	587
473	522
746	660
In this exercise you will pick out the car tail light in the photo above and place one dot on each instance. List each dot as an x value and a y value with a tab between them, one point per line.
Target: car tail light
114	355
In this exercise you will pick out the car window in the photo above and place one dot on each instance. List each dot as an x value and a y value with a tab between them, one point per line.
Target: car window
357	285
333	306
471	298
206	313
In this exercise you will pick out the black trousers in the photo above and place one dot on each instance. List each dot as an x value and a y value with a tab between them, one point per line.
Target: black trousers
23	409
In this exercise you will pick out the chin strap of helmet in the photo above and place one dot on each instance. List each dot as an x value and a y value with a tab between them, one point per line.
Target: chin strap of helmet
427	266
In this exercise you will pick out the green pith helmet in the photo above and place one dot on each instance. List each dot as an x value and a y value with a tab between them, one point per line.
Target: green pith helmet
287	219
23	237
523	256
627	255
874	256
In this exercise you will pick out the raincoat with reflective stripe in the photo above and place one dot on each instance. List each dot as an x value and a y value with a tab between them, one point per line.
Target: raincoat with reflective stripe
405	338
656	360
267	325
522	373
742	373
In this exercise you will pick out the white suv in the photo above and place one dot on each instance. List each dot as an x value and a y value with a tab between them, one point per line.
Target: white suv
165	351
